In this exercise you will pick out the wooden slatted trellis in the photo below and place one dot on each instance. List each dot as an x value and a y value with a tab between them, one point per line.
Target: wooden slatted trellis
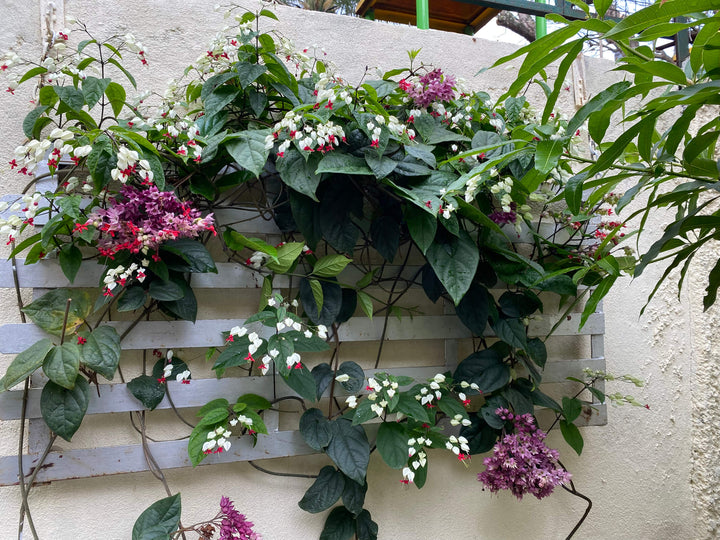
71	462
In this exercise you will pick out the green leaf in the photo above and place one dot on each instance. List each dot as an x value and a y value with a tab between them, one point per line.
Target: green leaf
133	298
474	309
349	449
302	381
48	311
219	403
254	401
29	74
455	263
366	528
597	103
93	89
248	150
159	520
237	241
330	265
70	260
125	71
325	491
353	496
287	254
63	410
658	13
315	429
100	162
185	307
198	438
512	332
380	165
62	363
147	390
194	253
247	73
165	290
25	363
101	351
70	96
339	525
572	407
219	99
331	301
341	163
31	119
537	351
366	303
411	408
422	226
484	368
116	96
214	417
299	173
392	444
572	436
574	192
356	374
547	154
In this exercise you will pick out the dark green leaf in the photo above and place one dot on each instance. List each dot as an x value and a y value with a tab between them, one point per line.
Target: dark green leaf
48	311
323	375
325	491
385	236
366	528
411	408
70	260
302	381
353	496
194	253
165	290
332	302
219	99
572	407
349	449
63	410
537	351
133	298
315	429
473	309
392	444
31	118
116	96
572	436
454	264
184	308
422	226
62	363
356	374
247	73
70	96
147	390
340	525
512	332
486	369
341	163
248	150
159	520
299	173
25	363
101	351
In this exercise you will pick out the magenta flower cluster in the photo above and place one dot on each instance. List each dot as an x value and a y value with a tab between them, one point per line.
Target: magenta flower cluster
432	87
139	220
234	525
521	462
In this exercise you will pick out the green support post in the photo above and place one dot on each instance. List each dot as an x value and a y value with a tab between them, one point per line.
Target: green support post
422	14
540	24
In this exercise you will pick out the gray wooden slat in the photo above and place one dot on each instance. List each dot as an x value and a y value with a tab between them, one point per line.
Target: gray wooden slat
230	276
15	338
103	461
116	397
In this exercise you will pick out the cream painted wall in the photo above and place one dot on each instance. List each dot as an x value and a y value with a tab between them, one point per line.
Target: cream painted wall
637	469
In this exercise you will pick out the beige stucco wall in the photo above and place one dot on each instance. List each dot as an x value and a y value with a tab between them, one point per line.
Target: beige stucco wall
637	469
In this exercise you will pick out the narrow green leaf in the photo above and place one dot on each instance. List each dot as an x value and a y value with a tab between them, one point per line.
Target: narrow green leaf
572	436
330	265
25	363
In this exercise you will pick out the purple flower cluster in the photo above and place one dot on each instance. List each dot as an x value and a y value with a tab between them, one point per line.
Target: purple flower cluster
431	88
234	525
139	220
503	218
521	462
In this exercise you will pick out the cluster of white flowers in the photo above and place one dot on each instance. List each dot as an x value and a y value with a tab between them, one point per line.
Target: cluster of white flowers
381	393
416	451
322	137
28	205
457	444
242	419
217	441
120	276
128	162
426	394
502	190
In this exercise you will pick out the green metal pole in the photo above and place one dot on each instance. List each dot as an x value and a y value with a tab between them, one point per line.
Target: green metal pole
422	13
540	23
